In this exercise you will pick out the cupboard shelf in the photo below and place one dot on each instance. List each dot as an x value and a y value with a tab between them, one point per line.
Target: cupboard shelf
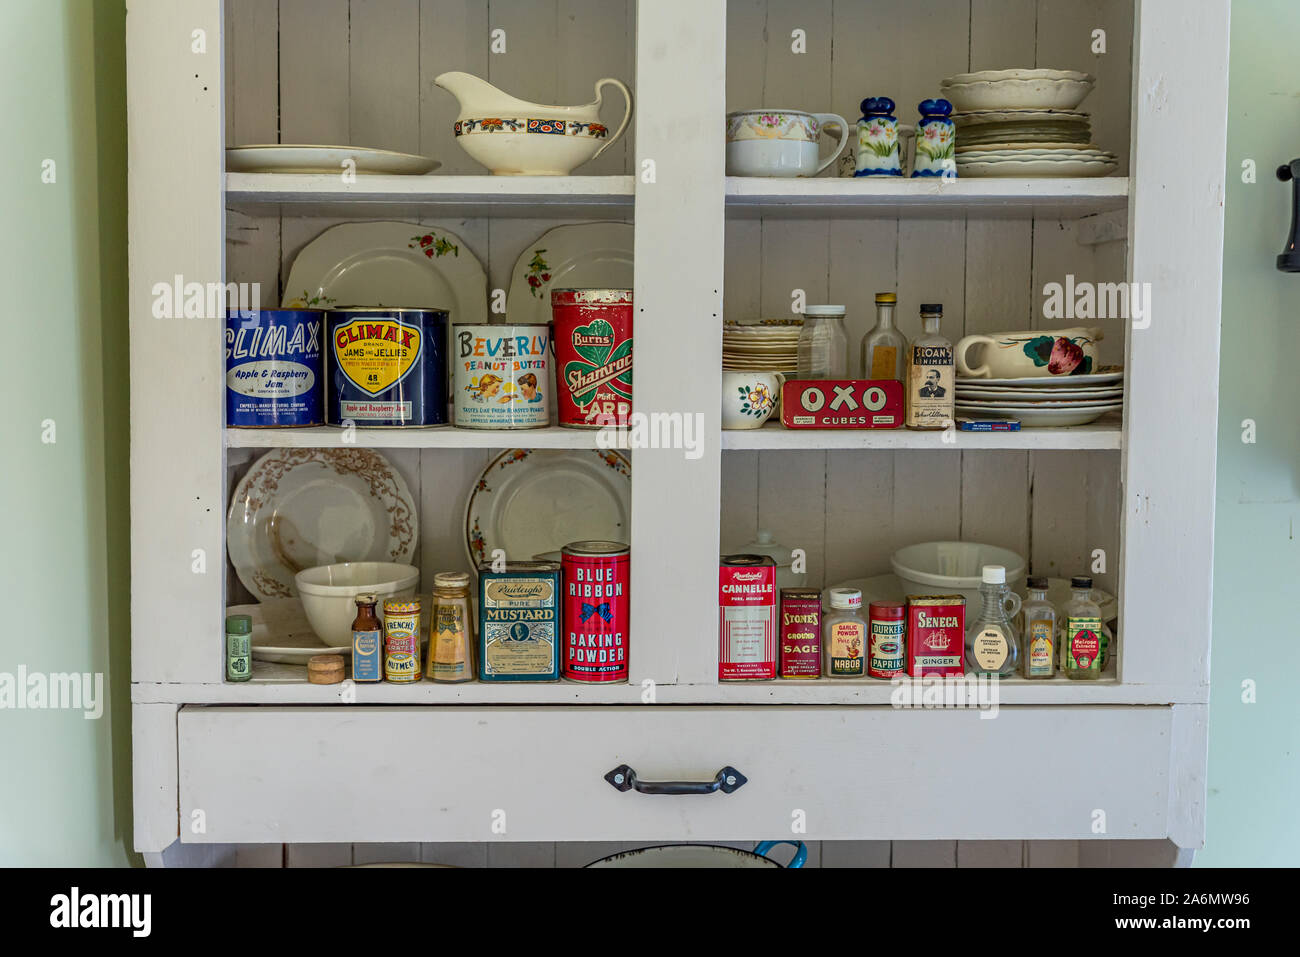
997	198
1103	435
600	197
440	437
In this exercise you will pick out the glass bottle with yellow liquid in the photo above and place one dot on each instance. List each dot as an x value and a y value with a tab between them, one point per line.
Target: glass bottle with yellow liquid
884	349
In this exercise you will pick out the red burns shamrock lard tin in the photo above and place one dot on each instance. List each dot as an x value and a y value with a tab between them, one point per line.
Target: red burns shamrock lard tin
596	589
592	332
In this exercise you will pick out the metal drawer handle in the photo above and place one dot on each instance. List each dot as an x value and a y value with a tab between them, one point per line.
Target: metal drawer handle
727	780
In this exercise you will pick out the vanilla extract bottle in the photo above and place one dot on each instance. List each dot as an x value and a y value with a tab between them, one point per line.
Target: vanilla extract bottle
930	382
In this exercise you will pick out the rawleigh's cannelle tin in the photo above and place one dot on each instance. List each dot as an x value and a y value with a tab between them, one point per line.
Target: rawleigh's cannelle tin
501	376
747	618
387	367
274	369
519	622
801	633
596	589
593	356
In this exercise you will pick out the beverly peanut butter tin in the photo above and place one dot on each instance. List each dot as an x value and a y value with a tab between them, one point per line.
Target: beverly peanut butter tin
501	376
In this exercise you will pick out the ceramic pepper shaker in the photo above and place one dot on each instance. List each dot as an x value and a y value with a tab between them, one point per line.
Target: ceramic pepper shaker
936	140
878	153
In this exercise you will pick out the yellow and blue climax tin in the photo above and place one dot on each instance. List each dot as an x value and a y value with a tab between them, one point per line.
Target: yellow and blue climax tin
402	639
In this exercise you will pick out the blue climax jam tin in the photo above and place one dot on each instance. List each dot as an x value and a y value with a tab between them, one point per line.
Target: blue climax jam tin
387	367
274	371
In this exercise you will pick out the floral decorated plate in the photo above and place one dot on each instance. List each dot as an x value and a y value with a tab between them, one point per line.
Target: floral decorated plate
299	508
530	501
389	264
1106	375
592	255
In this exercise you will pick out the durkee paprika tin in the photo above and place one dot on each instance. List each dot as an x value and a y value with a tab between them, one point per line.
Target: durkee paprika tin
593	356
886	649
747	618
596	589
801	633
387	367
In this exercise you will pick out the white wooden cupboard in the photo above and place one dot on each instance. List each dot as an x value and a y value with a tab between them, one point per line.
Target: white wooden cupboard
279	761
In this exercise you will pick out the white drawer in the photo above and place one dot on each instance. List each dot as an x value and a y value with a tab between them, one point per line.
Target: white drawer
374	774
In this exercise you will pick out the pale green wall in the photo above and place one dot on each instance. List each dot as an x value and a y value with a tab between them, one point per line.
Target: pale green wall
1254	774
65	790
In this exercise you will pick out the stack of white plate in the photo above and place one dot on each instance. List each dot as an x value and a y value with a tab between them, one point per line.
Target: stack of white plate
1043	401
1024	123
768	345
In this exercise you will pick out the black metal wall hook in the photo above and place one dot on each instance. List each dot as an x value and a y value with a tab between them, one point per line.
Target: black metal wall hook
1289	261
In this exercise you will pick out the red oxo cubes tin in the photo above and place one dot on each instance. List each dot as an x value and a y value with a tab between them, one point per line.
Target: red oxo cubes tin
747	618
842	404
592	333
596	589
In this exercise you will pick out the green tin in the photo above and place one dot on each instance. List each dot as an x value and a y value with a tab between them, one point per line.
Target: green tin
519	622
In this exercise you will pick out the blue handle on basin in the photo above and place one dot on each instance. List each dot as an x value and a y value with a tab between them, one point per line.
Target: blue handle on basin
800	853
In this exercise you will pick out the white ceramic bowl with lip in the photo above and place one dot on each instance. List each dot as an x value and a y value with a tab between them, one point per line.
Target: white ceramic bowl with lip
749	398
781	142
953	568
328	594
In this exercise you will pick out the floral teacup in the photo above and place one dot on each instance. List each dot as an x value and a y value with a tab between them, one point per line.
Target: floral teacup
780	142
1023	355
749	398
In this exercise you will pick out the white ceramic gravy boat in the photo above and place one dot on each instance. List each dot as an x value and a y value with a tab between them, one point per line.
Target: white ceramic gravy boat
513	137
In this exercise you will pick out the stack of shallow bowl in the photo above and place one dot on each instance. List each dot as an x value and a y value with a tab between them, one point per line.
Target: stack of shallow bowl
768	345
1024	123
1043	401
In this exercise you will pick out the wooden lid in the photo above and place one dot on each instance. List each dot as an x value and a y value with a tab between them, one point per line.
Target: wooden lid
325	669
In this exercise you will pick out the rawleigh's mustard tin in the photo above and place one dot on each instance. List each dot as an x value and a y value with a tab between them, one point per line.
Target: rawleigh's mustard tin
387	367
519	622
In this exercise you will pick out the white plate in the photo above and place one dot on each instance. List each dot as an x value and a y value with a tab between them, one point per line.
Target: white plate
991	76
588	255
1095	379
983	117
384	264
996	405
1032	151
529	501
1018	93
1040	167
1033	418
976	394
299	508
272	158
889	588
281	632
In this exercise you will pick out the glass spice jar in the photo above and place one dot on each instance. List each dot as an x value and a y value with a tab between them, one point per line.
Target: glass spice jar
823	348
451	630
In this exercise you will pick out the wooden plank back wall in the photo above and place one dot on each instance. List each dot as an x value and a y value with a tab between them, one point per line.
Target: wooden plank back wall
850	510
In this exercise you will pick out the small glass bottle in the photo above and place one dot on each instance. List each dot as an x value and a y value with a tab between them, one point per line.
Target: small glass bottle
1082	637
823	348
992	642
239	647
1038	626
884	348
451	638
844	636
929	383
367	641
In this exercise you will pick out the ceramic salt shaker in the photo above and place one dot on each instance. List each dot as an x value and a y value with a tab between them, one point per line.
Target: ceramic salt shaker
878	153
936	140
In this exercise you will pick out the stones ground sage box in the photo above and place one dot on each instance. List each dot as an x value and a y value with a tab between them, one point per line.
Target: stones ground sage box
519	622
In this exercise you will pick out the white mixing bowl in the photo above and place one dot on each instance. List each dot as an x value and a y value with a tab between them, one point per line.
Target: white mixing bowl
328	593
953	568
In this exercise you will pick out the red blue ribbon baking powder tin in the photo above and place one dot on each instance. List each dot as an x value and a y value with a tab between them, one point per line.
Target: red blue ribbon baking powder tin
387	367
274	372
